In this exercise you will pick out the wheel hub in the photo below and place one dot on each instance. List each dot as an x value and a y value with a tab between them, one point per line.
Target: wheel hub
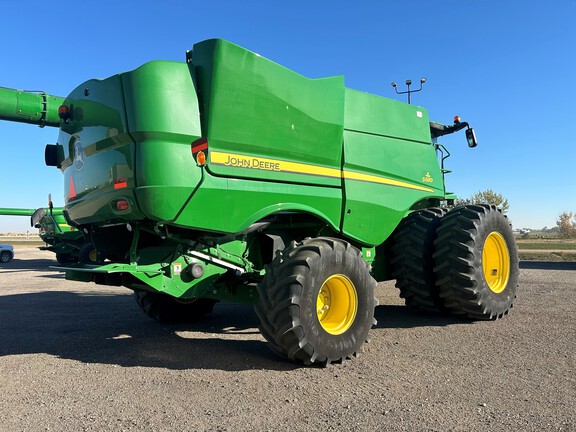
337	304
496	262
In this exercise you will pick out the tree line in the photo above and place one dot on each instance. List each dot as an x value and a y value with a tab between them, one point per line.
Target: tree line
565	224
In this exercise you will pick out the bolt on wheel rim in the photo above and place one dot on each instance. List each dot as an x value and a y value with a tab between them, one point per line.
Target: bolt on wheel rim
496	262
337	304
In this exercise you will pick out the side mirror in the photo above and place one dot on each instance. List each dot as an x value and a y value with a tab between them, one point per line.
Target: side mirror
471	138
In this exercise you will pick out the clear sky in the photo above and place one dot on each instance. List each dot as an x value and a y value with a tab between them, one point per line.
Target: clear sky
507	67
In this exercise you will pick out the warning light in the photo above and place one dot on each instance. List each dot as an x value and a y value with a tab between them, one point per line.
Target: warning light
201	158
456	119
198	148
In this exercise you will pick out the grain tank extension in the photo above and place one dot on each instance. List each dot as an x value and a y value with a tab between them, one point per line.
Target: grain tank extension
230	177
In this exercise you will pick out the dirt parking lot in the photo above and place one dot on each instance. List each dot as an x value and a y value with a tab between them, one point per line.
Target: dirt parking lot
80	357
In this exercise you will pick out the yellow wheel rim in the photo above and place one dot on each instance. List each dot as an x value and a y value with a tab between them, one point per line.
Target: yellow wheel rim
337	304
93	256
496	262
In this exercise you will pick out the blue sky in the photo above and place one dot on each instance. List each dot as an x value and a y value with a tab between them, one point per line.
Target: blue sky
506	67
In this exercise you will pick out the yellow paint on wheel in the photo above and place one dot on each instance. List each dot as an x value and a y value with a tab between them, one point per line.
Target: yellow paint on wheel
337	304
496	262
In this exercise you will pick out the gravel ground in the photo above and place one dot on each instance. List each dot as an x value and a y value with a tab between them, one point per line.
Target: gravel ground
80	357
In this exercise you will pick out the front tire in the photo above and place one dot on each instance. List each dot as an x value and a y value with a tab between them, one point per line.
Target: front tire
66	258
476	262
87	254
316	302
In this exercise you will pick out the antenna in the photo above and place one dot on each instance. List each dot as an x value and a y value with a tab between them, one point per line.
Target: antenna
408	84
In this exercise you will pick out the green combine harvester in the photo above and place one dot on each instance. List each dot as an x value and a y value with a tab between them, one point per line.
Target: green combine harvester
230	177
65	241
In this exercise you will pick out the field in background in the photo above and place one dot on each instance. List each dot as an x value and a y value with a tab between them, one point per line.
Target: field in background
23	240
535	247
531	247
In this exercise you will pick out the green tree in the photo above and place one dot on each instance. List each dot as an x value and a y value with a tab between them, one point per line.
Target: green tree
486	197
566	223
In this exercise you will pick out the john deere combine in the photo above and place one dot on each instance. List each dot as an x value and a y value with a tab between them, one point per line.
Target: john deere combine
230	177
65	241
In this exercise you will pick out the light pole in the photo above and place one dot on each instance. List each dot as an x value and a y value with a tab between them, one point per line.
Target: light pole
408	84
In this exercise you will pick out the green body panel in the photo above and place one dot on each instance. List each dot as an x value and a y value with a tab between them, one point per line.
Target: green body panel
252	106
232	205
277	142
389	164
29	107
139	152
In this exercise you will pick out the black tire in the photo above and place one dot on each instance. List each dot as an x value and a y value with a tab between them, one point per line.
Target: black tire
477	262
66	258
413	262
304	326
87	254
169	310
5	257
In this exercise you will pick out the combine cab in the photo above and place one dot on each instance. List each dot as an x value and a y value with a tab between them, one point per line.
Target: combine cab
230	177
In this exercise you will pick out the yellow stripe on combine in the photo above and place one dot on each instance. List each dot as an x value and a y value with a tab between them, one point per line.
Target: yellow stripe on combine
264	164
350	175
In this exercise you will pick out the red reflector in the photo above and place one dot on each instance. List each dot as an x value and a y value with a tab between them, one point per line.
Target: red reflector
71	190
199	145
122	205
63	112
120	183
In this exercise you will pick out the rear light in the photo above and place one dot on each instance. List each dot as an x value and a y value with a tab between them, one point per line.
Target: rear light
199	147
122	205
120	183
64	112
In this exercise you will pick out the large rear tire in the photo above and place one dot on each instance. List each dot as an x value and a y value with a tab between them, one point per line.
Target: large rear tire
316	302
413	262
169	310
476	262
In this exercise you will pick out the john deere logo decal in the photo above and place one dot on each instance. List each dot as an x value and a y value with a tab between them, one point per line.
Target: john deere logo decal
427	178
78	156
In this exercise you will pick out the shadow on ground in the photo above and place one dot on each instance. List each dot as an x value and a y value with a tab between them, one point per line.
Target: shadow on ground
111	329
548	265
19	265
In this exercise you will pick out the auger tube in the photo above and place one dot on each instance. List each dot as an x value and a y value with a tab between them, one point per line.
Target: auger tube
37	108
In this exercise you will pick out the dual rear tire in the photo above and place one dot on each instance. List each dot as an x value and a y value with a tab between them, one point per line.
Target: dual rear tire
464	262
